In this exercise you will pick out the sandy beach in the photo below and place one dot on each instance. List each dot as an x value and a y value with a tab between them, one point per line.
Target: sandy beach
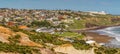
97	37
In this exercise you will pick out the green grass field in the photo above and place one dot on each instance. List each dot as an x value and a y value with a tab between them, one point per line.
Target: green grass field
70	34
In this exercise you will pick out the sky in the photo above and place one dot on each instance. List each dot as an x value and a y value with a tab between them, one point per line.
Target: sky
109	6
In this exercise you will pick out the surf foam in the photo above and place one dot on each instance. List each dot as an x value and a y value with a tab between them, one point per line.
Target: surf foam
112	32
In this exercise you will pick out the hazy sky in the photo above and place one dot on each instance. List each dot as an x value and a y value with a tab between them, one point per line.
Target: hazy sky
110	6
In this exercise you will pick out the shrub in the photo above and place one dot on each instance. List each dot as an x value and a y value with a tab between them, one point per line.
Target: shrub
80	44
17	48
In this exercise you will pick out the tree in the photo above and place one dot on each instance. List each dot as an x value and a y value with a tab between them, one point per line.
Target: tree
41	23
62	26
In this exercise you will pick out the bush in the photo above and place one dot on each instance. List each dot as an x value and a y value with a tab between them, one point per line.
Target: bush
110	51
44	38
106	50
41	23
14	39
80	44
17	48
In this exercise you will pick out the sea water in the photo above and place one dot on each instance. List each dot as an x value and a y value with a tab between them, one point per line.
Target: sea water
112	32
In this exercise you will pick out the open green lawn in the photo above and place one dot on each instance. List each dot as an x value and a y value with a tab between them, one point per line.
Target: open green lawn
70	34
78	24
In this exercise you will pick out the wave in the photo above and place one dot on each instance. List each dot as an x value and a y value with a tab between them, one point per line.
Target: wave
110	31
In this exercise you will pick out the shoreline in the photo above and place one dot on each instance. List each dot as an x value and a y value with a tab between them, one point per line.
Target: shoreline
96	36
93	28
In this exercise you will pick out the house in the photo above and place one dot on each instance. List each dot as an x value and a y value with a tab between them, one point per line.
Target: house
68	21
94	43
7	19
46	30
96	12
90	42
49	19
61	18
56	23
10	23
1	18
67	39
78	18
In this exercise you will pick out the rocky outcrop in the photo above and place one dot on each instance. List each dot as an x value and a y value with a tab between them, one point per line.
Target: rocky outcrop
69	49
4	38
46	51
5	33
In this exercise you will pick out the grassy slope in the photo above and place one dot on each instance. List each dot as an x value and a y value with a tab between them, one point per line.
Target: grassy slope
70	34
78	24
100	20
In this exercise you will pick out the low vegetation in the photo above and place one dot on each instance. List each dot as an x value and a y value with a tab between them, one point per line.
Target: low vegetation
107	50
4	47
48	38
69	34
78	24
81	45
91	21
43	38
14	39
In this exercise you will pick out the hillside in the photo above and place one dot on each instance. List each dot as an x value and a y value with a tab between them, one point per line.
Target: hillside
19	42
34	31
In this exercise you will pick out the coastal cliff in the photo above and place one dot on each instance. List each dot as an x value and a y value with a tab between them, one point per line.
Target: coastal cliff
69	49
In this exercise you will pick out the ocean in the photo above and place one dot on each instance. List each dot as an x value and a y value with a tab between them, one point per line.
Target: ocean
112	32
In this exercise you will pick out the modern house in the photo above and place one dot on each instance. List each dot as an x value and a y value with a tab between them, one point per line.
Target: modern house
96	12
46	30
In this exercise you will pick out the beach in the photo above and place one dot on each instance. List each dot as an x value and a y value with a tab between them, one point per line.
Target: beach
97	37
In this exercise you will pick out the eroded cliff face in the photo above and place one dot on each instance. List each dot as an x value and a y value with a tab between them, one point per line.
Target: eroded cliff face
8	53
5	33
24	40
46	51
69	49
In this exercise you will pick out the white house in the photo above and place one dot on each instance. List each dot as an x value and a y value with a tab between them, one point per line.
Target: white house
46	30
90	42
97	12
